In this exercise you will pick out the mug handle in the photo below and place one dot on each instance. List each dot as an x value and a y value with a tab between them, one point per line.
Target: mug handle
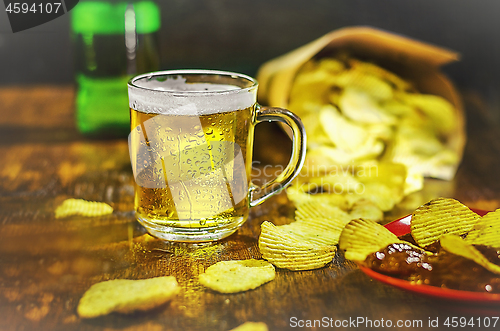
297	158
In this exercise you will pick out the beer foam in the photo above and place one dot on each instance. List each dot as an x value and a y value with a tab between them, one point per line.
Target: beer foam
174	96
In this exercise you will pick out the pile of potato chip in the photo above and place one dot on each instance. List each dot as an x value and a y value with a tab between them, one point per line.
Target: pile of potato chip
359	115
310	242
379	184
455	226
128	296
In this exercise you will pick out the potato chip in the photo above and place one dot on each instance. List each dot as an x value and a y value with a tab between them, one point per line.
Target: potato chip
311	210
384	182
456	245
373	86
380	131
82	207
439	217
237	275
362	237
334	97
126	296
393	175
383	196
342	132
397	108
372	148
366	209
414	182
344	186
290	251
415	141
323	222
377	71
441	165
312	85
360	107
415	119
486	231
298	196
331	65
422	151
314	128
251	326
334	182
314	231
440	111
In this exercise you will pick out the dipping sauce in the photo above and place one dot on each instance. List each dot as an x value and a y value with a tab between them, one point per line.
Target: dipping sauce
437	267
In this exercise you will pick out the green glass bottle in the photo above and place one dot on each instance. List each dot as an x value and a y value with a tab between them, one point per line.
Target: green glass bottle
114	40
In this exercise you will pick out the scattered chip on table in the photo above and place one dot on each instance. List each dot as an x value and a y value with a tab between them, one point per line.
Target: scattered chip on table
237	275
126	296
251	326
81	207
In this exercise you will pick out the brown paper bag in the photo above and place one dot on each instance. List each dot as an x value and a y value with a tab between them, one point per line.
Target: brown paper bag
413	60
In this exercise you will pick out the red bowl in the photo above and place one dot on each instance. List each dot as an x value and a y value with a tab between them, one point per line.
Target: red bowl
401	227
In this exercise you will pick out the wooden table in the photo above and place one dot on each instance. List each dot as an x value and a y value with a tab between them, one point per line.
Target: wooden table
46	264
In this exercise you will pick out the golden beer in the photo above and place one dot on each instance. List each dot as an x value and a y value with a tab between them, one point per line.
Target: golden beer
211	188
190	148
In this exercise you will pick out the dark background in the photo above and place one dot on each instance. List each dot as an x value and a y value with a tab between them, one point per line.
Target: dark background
240	35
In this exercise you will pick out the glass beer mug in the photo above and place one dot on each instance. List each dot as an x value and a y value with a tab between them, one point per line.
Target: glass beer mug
190	147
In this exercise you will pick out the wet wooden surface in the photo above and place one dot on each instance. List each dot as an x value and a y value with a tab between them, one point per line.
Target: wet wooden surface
46	264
